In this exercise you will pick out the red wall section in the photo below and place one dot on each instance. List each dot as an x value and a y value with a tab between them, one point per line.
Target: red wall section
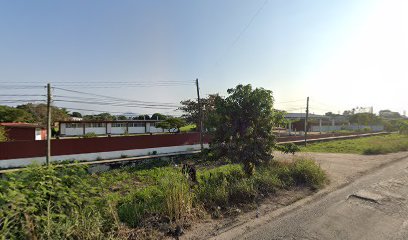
27	149
20	134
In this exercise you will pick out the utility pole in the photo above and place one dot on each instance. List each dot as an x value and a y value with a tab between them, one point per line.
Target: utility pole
306	119
200	112
48	156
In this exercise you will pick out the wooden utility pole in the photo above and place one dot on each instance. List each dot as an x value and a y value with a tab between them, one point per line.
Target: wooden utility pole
306	120
200	112
48	155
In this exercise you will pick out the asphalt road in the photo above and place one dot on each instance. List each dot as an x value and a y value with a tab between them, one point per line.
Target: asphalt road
374	206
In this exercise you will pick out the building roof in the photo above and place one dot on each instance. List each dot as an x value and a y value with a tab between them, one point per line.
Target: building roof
112	121
303	115
19	125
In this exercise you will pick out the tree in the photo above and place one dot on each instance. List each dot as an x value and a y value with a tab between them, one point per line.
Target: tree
39	112
191	109
403	127
143	117
122	117
158	116
76	114
172	123
364	119
279	119
10	114
244	123
99	117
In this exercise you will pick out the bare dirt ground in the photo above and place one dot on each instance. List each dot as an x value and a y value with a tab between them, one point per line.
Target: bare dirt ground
342	170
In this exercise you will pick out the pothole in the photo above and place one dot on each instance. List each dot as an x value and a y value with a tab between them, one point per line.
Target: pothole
367	196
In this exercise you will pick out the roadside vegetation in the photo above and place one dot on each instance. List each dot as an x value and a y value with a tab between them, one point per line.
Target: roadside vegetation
68	203
367	145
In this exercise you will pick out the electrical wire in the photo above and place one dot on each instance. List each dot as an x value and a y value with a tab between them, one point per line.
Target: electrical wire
241	33
117	104
110	97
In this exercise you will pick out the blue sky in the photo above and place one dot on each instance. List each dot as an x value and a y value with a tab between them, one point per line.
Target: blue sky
341	53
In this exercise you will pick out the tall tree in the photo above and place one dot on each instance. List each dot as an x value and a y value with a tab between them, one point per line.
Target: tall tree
76	114
172	123
158	116
121	117
10	114
191	111
99	117
244	123
39	112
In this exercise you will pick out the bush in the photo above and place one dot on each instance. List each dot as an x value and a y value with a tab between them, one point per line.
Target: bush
89	135
284	174
242	191
148	200
213	189
288	148
307	173
267	182
169	196
51	202
178	198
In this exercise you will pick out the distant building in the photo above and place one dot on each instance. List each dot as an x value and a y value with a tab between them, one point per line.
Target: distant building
24	131
76	119
75	128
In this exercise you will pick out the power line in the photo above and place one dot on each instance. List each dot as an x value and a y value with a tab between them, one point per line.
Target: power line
114	98
111	112
290	101
22	95
117	104
241	33
22	100
100	99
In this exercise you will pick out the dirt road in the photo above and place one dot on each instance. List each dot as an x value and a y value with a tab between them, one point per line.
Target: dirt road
367	199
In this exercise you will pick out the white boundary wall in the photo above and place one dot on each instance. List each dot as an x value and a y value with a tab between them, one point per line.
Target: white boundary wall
326	128
22	162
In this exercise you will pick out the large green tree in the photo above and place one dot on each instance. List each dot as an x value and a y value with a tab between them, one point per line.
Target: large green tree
11	114
364	119
99	117
191	111
39	112
172	123
244	122
158	116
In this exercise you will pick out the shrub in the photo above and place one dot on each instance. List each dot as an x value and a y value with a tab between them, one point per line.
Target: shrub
213	189
284	174
89	135
242	191
374	150
51	203
135	207
288	148
178	198
266	182
308	173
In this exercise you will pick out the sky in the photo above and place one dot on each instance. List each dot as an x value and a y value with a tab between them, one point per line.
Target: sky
343	54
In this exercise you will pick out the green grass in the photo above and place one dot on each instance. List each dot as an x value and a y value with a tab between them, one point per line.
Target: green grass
68	203
188	128
367	145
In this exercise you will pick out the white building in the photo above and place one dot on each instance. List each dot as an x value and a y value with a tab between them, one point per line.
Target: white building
75	128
